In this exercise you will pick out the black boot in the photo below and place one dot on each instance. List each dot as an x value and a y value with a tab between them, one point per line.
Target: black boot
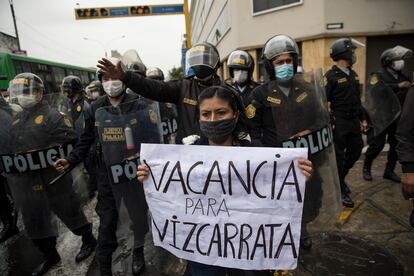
87	248
347	201
390	174
9	229
366	170
138	261
51	259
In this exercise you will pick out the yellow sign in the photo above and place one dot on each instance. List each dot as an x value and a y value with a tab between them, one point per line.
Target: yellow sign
301	97
39	119
239	61
21	81
250	111
113	134
190	101
274	100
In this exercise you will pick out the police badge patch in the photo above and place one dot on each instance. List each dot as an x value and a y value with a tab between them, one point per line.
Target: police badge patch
374	80
250	111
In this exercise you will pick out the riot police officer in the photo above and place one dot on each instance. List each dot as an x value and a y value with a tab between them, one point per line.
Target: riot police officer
109	196
343	94
8	215
94	90
203	59
288	112
392	62
241	66
37	131
75	104
168	111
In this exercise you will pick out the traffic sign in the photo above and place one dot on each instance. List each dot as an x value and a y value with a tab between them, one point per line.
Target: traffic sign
148	10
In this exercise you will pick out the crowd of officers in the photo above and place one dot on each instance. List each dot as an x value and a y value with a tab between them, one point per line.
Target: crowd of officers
267	105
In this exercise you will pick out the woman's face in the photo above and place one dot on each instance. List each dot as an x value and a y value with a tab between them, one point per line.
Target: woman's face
216	109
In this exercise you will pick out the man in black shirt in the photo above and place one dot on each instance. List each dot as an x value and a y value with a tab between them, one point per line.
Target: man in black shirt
343	94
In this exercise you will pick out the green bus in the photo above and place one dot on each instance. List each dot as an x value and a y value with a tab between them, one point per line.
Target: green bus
52	73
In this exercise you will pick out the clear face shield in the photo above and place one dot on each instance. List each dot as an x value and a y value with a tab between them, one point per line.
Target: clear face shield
203	60
25	92
356	44
278	45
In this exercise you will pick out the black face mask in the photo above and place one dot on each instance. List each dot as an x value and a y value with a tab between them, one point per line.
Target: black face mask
203	72
218	131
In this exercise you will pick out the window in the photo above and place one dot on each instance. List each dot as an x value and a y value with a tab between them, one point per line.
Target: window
84	78
59	75
221	27
264	6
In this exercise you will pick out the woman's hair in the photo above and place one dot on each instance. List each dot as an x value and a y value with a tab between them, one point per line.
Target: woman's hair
231	96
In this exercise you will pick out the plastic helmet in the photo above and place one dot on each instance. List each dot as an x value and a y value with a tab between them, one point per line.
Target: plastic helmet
240	60
155	73
203	58
27	88
275	46
71	84
396	53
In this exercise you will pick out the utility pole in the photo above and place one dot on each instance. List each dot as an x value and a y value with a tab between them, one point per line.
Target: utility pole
15	25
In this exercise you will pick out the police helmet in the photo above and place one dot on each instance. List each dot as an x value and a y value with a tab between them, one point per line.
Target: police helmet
275	46
95	86
203	58
137	67
26	84
155	73
72	83
240	60
343	48
396	53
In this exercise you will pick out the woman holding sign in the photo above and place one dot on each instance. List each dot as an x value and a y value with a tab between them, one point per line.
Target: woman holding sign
222	122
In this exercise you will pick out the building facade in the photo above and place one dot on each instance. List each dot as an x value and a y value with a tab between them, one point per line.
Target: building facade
314	24
8	43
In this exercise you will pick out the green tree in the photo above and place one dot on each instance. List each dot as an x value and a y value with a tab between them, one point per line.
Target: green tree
176	73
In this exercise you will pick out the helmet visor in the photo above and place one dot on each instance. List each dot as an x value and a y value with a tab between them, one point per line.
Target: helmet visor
201	55
239	59
24	87
278	45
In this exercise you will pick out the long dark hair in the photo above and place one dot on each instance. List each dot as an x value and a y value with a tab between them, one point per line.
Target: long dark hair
232	97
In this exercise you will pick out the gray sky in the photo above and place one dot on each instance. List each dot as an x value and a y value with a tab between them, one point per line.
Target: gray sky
48	30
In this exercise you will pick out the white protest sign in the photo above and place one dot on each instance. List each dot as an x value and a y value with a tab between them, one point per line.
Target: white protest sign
234	207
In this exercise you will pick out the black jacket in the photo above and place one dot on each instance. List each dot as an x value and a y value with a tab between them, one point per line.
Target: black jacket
246	93
89	135
405	134
392	81
275	117
344	93
182	93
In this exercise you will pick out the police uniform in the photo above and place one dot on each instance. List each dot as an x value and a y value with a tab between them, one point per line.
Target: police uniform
376	143
48	128
182	93
107	205
276	118
245	93
343	93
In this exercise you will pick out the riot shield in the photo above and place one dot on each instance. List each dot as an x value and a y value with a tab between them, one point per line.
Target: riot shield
381	104
169	124
121	131
35	138
302	120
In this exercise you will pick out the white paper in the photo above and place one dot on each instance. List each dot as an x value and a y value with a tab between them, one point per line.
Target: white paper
219	220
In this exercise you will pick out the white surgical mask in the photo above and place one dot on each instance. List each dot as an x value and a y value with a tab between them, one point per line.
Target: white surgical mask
113	88
27	101
398	65
94	95
240	76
